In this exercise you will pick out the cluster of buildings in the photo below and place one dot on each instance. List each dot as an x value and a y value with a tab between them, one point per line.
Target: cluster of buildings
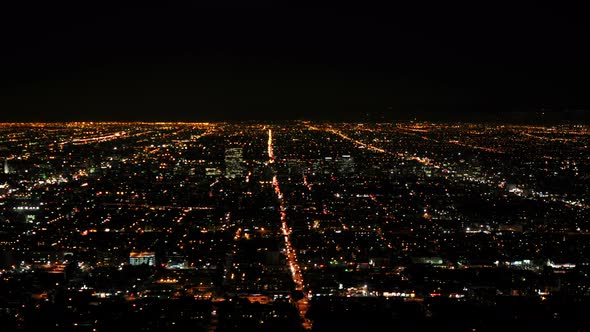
294	226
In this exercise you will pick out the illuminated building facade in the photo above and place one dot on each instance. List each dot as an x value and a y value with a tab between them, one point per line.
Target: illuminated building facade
140	258
234	163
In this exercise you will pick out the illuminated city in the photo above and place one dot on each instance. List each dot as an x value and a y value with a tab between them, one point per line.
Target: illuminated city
294	166
294	226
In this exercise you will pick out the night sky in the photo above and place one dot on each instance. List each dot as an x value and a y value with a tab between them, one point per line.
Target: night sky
218	60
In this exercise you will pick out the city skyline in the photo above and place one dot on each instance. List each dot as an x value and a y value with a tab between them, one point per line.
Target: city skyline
220	166
297	226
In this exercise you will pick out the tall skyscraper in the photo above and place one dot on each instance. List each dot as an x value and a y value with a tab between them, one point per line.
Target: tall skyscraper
234	163
6	167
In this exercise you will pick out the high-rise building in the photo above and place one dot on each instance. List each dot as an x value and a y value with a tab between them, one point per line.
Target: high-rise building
234	163
6	167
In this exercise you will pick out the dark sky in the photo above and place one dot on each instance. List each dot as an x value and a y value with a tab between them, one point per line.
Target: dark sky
219	60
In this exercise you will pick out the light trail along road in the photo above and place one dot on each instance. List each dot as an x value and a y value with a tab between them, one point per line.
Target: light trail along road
303	304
